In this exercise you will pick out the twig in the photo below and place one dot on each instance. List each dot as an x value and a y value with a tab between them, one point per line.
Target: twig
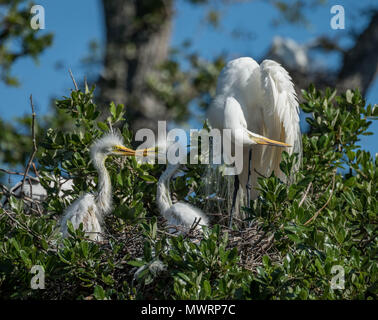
326	204
259	173
27	229
167	233
23	226
305	194
5	192
11	192
18	174
73	80
34	148
194	225
35	170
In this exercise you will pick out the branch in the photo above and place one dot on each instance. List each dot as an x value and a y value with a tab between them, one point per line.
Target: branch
326	204
34	149
27	229
73	80
305	194
19	174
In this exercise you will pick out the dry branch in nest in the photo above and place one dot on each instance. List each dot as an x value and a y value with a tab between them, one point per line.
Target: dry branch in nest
252	244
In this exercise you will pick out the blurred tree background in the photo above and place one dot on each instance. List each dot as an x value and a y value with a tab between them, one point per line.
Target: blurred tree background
138	67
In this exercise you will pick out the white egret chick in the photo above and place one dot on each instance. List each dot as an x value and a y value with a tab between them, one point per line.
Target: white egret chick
180	213
91	208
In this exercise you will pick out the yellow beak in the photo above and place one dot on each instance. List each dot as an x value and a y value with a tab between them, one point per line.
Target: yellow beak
265	141
130	152
146	152
125	151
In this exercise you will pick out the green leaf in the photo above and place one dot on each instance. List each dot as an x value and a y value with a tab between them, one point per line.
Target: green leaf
349	96
206	287
84	248
184	277
25	258
136	263
99	293
103	126
113	111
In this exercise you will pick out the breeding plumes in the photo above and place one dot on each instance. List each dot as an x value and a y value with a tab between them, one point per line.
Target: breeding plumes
91	208
261	101
179	214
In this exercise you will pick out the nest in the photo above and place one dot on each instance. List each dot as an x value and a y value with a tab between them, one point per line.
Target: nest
252	244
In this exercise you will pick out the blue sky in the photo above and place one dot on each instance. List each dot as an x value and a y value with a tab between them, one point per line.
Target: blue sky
76	23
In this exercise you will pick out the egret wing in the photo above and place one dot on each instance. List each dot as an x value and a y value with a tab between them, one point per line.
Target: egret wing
280	112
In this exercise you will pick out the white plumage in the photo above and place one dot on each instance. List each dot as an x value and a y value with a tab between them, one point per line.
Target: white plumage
38	192
260	100
91	208
181	213
84	210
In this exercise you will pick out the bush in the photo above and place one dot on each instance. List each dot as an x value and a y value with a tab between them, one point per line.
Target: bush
326	217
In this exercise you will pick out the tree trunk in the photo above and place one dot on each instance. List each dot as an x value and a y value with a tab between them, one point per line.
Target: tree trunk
137	41
360	63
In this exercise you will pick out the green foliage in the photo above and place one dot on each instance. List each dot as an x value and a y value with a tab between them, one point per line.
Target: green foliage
18	134
326	217
205	270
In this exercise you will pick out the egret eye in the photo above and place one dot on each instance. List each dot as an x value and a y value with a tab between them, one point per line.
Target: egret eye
107	150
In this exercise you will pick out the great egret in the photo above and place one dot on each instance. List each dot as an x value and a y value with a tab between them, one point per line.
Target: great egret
34	190
91	208
181	213
260	100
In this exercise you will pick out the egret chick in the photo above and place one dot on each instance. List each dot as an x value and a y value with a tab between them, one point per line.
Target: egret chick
180	213
91	208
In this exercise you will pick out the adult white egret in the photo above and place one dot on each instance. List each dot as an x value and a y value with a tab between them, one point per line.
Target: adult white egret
91	208
260	100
